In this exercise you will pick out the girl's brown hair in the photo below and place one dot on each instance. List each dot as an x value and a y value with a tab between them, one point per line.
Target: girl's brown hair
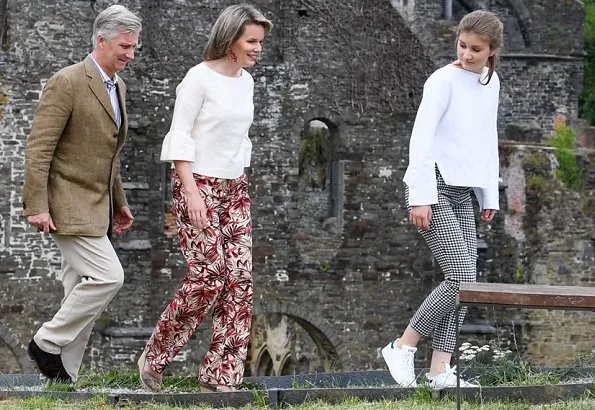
488	26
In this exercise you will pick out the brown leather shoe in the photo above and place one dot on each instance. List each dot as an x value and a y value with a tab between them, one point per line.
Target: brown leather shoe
49	364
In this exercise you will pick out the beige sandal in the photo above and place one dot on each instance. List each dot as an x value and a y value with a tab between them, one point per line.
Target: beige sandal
147	379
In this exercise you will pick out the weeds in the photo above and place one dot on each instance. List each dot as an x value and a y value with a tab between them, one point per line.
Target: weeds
501	368
565	143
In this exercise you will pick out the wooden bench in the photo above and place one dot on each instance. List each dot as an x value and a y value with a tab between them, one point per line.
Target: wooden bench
521	296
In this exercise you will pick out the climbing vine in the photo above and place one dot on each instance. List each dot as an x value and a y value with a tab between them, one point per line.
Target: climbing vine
568	170
587	100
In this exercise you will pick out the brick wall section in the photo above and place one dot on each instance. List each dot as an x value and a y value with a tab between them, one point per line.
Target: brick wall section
357	67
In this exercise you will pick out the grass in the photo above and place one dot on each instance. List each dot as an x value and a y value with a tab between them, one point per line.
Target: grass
517	373
505	370
416	403
496	366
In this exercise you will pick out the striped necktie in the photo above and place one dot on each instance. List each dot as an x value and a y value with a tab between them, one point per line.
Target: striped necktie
110	85
111	90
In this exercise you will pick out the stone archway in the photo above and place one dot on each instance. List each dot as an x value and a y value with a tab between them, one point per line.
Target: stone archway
320	191
287	341
15	358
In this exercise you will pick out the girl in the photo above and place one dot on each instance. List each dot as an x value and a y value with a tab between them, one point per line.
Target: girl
453	151
209	146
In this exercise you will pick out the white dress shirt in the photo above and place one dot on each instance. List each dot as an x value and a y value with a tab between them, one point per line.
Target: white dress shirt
455	129
212	116
110	85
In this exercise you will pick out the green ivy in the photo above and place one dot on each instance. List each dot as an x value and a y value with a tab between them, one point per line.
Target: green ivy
565	144
587	99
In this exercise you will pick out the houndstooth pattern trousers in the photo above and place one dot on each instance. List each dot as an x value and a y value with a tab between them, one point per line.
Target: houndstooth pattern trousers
453	242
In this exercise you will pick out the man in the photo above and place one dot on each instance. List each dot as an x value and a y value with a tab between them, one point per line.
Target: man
73	188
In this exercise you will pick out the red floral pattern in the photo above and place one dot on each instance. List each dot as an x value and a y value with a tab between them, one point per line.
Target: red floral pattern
219	277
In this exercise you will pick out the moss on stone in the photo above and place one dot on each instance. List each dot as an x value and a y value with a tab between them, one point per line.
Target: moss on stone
537	183
520	275
589	206
506	152
568	170
104	321
537	163
314	154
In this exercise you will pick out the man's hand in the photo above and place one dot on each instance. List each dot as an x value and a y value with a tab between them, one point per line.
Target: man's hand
421	216
43	222
123	220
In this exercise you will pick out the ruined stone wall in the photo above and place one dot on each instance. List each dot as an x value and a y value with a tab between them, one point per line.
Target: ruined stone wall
553	230
338	270
40	39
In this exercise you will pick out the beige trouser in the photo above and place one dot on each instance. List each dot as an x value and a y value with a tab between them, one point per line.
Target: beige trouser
91	276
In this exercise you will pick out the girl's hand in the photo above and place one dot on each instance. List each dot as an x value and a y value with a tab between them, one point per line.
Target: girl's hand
487	215
421	216
197	210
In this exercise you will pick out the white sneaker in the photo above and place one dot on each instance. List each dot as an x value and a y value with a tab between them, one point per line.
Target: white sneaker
400	363
447	379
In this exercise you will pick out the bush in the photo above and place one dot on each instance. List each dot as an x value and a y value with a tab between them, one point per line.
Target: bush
568	170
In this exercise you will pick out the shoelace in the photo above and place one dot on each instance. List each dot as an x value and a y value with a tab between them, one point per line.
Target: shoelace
409	364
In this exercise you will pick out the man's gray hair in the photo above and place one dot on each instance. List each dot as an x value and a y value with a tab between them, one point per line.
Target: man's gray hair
114	20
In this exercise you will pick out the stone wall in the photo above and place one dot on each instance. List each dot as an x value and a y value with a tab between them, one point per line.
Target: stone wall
553	229
338	270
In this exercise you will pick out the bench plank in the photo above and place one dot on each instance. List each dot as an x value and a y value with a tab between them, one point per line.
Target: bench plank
533	296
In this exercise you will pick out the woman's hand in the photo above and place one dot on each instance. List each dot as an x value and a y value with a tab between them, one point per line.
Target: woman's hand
421	216
487	215
197	210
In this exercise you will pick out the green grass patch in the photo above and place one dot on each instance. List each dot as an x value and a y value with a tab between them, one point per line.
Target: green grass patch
516	373
537	183
127	378
123	378
353	403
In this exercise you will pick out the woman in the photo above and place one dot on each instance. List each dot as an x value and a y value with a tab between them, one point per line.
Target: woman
453	151
209	146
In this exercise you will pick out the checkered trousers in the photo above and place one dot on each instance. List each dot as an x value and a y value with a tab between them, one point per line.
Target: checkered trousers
453	242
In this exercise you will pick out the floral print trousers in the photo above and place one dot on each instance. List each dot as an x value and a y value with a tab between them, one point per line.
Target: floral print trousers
219	276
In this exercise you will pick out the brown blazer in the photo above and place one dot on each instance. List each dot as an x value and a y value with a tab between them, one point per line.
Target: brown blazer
72	167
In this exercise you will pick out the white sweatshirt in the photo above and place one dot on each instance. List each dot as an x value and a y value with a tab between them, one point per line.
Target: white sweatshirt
456	129
209	128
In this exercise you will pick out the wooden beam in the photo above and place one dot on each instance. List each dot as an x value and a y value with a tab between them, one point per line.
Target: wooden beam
530	296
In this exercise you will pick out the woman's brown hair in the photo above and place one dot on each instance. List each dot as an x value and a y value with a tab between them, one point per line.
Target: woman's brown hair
230	26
